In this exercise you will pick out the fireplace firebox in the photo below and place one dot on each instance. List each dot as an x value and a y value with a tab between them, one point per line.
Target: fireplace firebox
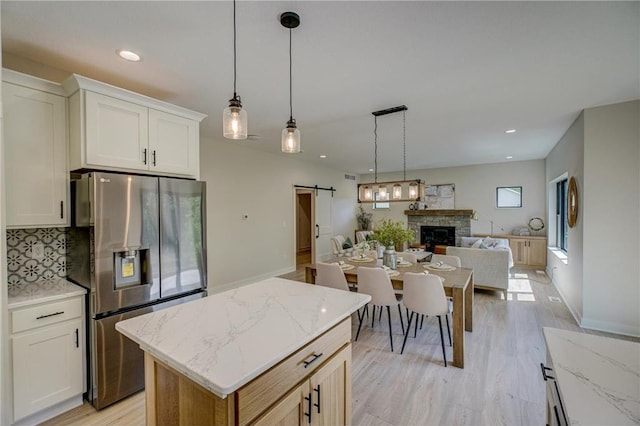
431	236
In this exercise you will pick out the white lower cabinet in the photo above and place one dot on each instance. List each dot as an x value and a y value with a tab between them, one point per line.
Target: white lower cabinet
47	348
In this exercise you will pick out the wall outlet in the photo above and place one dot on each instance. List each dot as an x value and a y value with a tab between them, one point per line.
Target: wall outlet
37	251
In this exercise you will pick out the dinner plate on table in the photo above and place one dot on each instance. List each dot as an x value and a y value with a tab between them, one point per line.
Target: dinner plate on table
361	259
392	273
404	263
346	266
444	267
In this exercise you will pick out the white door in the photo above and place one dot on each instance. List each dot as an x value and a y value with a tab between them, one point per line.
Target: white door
117	133
324	225
173	144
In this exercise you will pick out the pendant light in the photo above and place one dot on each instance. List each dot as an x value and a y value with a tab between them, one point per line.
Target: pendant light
290	134
401	190
234	117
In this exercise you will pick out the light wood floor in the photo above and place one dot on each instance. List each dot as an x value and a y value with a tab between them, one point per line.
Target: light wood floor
500	384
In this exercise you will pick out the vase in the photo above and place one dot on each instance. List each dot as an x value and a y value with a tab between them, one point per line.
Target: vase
389	258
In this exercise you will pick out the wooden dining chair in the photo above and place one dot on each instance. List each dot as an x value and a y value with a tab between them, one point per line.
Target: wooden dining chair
424	295
376	283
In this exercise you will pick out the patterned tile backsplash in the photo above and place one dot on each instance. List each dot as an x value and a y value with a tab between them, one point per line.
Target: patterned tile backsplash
23	270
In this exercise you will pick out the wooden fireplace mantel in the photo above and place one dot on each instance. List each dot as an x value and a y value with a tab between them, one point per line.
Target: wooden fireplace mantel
436	212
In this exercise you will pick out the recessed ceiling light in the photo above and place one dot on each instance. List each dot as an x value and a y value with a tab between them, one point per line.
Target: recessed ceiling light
510	131
128	55
370	170
509	157
323	156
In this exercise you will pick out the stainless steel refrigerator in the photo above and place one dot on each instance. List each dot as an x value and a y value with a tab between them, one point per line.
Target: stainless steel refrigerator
138	244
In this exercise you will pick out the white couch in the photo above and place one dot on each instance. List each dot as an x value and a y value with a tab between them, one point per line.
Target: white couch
337	243
490	265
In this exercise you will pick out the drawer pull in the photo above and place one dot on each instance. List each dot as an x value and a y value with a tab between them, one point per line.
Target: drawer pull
50	315
144	158
77	339
544	372
308	399
314	358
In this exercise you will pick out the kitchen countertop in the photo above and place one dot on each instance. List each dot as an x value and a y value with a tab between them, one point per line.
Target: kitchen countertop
598	377
46	291
227	339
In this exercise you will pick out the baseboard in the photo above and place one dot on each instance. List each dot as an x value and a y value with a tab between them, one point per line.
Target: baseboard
247	281
608	327
576	316
51	412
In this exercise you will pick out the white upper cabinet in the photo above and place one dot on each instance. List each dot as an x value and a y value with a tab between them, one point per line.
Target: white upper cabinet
35	134
115	129
116	132
173	143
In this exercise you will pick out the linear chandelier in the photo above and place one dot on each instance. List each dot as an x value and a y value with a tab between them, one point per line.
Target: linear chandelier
401	190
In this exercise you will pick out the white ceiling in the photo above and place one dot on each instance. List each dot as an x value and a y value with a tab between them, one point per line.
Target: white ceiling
467	71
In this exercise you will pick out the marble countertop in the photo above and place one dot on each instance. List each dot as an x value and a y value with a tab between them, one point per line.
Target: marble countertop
227	339
598	377
43	292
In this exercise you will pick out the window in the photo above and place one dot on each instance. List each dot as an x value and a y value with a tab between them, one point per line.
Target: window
379	205
562	226
509	197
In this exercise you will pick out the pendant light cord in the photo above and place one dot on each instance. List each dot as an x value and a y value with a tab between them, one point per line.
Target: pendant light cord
234	50
404	147
290	80
375	149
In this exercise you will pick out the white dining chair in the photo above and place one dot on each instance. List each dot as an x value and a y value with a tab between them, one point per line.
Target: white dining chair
331	275
447	259
376	283
424	295
408	256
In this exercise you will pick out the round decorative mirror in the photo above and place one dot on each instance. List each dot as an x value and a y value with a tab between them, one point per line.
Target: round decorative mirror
536	224
572	203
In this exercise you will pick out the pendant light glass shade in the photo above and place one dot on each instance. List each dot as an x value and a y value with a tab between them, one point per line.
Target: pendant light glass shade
366	194
413	190
291	138
234	120
382	192
397	191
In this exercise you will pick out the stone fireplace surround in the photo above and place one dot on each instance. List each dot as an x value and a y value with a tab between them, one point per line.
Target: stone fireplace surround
460	219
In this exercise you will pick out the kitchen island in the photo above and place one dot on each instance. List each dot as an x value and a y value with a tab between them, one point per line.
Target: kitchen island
591	380
270	351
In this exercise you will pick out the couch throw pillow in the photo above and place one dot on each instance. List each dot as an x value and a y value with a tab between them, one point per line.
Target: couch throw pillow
477	243
490	242
347	244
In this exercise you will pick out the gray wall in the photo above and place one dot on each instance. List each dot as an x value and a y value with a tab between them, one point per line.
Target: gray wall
600	278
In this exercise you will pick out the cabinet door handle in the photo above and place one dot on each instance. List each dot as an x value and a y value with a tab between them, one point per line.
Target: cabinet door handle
308	399
544	369
144	156
314	358
317	231
153	155
61	209
77	339
50	315
317	390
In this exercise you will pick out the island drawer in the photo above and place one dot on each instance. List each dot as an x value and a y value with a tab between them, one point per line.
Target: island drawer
45	314
255	397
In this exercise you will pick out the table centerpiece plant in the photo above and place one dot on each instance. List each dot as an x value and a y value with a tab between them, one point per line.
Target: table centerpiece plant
387	232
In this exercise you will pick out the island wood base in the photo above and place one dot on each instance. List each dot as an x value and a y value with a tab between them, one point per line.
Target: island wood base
312	385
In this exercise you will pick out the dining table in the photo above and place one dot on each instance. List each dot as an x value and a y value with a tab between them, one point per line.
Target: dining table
457	283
